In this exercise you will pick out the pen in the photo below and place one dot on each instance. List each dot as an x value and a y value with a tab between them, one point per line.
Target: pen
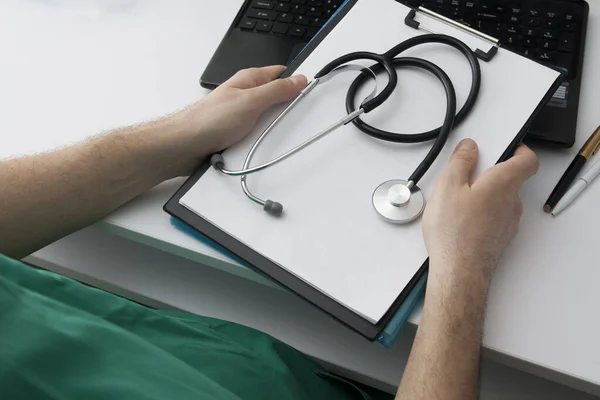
578	187
589	149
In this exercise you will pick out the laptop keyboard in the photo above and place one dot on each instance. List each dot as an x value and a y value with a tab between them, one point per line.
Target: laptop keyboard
545	30
300	19
548	31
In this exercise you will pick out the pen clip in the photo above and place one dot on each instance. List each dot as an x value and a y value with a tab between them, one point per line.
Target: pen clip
592	146
597	144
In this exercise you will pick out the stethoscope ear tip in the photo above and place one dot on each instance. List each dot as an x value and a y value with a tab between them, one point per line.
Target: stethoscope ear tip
273	208
217	160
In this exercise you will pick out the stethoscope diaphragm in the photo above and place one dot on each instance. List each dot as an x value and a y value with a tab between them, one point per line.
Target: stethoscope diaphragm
398	202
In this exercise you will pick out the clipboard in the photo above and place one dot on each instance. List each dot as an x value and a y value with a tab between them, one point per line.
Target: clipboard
289	280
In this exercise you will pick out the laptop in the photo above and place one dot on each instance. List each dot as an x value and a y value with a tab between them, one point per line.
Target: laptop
269	32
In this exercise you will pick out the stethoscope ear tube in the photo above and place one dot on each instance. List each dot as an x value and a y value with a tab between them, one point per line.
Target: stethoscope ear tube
381	97
272	207
391	199
440	134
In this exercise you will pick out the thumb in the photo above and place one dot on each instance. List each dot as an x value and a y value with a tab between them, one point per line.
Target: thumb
463	162
278	91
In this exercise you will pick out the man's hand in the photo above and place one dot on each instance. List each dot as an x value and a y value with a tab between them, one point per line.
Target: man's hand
50	195
469	224
228	114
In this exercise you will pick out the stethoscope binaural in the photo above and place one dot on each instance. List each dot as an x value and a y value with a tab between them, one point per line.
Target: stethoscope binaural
397	201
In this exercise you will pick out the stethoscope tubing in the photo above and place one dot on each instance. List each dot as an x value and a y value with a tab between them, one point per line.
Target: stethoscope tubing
388	61
441	133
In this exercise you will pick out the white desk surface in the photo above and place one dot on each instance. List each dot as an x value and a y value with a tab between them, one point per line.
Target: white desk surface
132	60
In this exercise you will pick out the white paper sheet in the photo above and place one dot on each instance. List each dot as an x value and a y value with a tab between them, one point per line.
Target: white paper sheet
330	236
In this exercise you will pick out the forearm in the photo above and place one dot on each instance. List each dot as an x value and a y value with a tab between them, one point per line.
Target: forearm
47	196
444	361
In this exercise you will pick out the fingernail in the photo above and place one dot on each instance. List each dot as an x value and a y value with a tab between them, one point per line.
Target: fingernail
466	144
298	80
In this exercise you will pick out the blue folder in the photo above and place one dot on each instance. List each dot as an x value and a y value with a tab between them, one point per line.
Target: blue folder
391	331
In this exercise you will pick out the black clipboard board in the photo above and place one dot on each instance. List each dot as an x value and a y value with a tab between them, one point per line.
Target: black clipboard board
281	276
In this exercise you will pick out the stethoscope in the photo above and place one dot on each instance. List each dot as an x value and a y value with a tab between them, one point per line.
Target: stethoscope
397	201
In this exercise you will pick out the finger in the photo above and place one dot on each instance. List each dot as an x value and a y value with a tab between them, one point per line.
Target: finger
278	91
463	162
254	77
521	166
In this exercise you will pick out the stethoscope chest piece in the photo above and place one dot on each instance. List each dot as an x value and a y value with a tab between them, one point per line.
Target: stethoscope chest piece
398	202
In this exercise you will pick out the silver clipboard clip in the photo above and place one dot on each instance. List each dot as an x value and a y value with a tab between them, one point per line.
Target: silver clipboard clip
485	56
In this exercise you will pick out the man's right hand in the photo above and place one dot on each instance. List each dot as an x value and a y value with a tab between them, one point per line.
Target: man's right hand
467	225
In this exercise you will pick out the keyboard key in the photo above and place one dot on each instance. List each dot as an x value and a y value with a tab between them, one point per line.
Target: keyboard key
551	14
548	44
298	9
501	9
283	7
281	28
248	24
489	27
296	30
571	17
517	10
314	11
552	35
515	19
261	14
512	40
489	16
566	43
533	12
301	20
457	3
317	21
550	24
569	26
528	52
264	26
512	29
470	4
467	22
266	5
529	41
286	17
545	55
468	12
531	32
529	21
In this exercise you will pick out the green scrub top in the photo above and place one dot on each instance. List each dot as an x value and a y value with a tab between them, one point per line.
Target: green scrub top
60	339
